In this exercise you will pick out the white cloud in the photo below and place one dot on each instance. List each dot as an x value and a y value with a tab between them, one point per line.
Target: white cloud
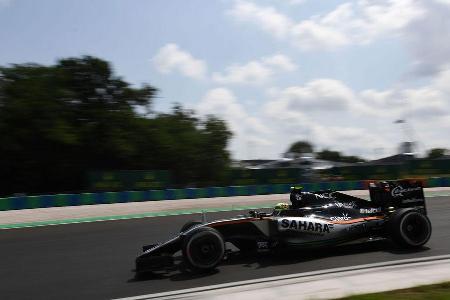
280	62
331	132
349	23
297	2
4	3
222	102
332	115
309	35
445	2
245	127
267	133
424	25
254	72
428	103
317	95
319	112
328	95
267	18
171	58
442	81
427	40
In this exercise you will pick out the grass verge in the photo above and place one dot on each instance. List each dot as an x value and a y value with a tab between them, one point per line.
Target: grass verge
430	292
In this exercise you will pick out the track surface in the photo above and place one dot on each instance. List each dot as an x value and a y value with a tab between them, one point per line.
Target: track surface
95	260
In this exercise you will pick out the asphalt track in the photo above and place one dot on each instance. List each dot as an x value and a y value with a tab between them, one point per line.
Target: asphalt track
95	260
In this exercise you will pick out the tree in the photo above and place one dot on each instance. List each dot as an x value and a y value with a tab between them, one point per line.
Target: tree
337	156
194	150
215	159
59	122
329	155
300	147
436	153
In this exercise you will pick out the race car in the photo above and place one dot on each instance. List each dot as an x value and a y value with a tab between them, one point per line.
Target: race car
396	211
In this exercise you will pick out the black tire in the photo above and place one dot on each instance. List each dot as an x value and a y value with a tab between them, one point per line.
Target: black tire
189	225
203	249
410	228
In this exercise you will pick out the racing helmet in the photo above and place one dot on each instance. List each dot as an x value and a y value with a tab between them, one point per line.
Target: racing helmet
281	206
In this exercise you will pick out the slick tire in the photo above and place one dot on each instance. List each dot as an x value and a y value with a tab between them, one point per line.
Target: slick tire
189	225
203	249
409	228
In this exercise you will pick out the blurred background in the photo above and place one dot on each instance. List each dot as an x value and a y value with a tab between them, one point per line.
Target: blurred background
137	95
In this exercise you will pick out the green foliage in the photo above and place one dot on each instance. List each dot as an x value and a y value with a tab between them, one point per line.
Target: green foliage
58	122
301	147
432	292
326	154
337	156
436	153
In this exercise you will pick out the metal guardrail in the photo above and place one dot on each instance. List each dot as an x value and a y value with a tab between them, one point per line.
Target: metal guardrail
59	200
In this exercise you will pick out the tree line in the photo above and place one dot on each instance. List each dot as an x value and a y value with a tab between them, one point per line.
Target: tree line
60	121
302	147
305	147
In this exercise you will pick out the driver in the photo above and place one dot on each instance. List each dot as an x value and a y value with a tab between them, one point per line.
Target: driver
279	207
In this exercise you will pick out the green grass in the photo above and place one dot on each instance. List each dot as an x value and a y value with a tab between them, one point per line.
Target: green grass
429	292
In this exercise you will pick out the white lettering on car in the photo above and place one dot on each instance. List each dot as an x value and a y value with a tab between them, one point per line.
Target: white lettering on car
398	191
370	210
344	217
351	204
303	225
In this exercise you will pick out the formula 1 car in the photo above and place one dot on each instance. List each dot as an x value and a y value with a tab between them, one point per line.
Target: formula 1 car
396	211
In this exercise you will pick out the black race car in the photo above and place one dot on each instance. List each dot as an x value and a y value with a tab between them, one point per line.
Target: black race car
396	210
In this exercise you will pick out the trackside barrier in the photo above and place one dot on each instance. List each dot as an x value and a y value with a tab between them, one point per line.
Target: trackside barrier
58	200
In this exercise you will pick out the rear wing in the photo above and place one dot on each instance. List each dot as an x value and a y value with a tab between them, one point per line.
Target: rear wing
398	194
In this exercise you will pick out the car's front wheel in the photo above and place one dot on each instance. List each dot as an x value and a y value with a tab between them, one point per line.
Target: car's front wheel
203	249
189	225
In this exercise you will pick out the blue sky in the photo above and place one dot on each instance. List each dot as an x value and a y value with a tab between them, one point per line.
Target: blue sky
337	73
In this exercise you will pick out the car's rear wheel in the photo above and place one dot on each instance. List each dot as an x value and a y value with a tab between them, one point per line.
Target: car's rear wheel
203	249
410	228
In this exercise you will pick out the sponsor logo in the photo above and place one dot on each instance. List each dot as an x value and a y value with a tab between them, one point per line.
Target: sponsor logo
322	196
346	204
370	210
305	226
262	245
398	191
344	217
357	228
